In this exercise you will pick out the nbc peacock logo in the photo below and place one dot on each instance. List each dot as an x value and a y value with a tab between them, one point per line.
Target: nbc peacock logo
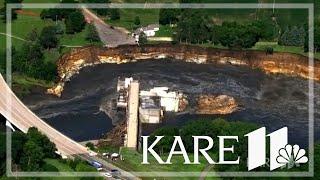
292	156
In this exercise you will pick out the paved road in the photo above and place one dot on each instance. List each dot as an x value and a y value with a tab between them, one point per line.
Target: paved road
19	115
111	37
23	118
108	167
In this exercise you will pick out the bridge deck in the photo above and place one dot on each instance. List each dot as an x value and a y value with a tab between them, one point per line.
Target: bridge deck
23	118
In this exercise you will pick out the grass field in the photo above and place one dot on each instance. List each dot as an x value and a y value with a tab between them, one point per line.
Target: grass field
21	27
261	46
61	167
23	84
277	48
132	161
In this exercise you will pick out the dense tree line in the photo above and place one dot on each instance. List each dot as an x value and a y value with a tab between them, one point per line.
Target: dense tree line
195	26
30	58
73	18
28	150
212	128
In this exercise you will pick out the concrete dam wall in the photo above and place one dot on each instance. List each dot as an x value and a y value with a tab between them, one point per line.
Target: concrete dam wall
284	63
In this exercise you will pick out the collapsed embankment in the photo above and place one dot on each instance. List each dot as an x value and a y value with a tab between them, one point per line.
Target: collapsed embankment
284	63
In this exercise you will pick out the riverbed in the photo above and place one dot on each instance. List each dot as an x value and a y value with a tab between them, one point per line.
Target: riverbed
273	101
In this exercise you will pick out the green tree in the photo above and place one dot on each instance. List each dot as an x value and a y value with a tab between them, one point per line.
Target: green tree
166	142
90	145
234	35
42	141
194	27
168	16
75	22
267	29
142	39
92	34
48	38
294	36
33	35
32	156
114	14
137	21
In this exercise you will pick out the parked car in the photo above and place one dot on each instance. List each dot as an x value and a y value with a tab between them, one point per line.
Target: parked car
106	174
96	164
115	172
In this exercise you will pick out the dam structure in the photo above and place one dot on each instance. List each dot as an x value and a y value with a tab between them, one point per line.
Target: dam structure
143	107
132	115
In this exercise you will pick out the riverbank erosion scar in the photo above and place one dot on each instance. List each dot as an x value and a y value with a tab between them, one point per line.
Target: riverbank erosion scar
284	63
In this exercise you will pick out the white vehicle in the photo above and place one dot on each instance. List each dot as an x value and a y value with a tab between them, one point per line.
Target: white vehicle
106	174
99	169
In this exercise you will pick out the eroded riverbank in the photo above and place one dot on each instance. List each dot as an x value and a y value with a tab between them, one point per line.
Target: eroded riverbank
283	63
269	100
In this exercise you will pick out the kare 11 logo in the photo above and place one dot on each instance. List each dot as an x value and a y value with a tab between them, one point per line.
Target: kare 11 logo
280	152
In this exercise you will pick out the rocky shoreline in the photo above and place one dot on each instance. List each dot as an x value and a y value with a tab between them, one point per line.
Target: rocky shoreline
284	63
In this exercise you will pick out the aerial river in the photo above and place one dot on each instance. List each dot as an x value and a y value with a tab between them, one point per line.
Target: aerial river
273	101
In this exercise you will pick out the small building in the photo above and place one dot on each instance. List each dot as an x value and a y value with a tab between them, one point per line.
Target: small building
150	110
122	90
169	100
149	31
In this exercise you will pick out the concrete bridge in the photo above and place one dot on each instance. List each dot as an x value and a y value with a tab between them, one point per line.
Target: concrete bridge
23	118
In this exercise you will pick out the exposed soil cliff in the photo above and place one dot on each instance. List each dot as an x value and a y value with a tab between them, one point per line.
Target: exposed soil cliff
285	63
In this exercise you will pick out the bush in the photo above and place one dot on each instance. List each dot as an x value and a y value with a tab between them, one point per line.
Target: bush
90	145
137	21
75	22
48	37
292	37
92	34
114	14
269	50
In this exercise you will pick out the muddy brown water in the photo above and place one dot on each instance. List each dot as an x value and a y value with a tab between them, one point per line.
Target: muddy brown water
273	101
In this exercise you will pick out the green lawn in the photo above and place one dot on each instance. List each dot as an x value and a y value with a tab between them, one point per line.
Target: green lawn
132	161
277	48
22	84
127	16
61	167
165	31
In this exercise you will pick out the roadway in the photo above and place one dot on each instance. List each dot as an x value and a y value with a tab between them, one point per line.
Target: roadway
23	118
109	35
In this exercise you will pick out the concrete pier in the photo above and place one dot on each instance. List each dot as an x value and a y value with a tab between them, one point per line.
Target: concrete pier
132	113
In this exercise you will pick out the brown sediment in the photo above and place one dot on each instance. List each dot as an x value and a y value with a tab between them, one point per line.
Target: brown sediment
284	63
216	104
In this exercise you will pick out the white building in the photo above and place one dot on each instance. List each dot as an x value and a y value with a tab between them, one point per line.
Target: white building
169	101
149	31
